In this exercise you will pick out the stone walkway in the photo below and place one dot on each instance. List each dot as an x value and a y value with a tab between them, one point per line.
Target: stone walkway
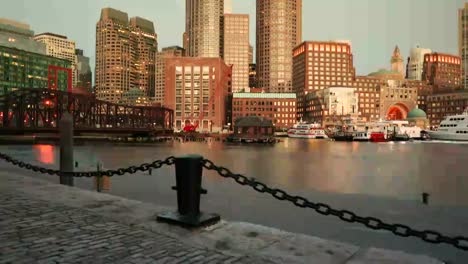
36	231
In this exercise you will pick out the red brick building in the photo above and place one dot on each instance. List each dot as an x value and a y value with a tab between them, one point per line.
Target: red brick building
278	107
441	105
197	89
319	65
442	71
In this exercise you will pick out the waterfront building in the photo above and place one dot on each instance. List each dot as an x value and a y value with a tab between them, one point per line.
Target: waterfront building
415	64
252	75
18	35
125	55
253	126
397	62
203	27
441	105
161	57
251	50
278	107
442	71
279	30
463	42
236	49
61	47
20	69
197	89
329	106
318	65
84	74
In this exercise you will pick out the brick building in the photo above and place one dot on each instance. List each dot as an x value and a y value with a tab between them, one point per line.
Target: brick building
441	105
442	71
319	65
197	89
278	107
165	53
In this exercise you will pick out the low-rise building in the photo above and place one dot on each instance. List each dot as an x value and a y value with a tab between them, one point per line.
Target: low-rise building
197	89
278	107
441	105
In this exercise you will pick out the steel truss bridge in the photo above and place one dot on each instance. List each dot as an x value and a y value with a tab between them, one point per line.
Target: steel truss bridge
30	111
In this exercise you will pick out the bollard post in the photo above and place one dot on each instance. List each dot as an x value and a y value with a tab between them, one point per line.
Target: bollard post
425	198
66	149
188	171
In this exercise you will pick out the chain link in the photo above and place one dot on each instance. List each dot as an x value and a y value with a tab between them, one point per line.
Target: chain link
347	216
121	171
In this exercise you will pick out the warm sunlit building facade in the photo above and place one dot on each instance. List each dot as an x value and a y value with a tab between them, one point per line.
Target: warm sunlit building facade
125	55
442	71
61	47
463	41
280	108
279	30
197	90
319	65
236	49
203	27
161	57
441	105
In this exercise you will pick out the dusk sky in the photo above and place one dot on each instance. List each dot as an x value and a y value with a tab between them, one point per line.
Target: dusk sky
373	26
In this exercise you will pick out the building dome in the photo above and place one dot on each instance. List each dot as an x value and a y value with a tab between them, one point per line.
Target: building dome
416	113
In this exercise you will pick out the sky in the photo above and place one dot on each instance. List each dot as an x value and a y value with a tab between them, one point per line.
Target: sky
373	26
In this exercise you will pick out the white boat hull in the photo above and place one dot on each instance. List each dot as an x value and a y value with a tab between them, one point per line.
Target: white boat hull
440	135
308	136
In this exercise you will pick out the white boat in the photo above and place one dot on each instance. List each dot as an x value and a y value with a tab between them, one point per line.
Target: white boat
305	130
452	128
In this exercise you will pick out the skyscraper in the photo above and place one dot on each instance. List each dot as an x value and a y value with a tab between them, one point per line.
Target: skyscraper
125	55
61	47
84	74
414	68
146	47
236	48
279	30
203	27
463	42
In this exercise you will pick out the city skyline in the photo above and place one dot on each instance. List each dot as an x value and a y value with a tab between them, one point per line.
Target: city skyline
361	22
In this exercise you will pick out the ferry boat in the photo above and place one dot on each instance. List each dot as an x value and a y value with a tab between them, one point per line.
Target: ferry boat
305	130
362	136
452	128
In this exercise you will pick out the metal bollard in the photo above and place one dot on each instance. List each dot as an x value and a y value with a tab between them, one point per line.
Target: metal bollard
425	198
188	186
66	149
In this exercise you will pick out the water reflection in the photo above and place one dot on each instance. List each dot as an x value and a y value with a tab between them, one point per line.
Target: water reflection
402	171
45	154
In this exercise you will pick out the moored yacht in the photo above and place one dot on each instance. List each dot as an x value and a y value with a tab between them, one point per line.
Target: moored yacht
452	128
306	130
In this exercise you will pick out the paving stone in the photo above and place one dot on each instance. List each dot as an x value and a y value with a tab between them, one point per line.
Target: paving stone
49	233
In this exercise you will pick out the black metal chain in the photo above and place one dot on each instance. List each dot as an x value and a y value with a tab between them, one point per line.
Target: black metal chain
434	237
130	170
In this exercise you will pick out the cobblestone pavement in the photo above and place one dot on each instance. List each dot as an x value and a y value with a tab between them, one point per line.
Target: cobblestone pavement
35	231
